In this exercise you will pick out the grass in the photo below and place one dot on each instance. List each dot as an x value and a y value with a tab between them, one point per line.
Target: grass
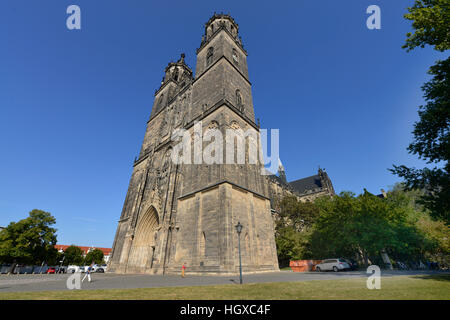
396	288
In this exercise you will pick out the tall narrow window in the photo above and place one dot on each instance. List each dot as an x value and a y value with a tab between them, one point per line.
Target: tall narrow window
235	56
238	98
175	74
209	56
160	103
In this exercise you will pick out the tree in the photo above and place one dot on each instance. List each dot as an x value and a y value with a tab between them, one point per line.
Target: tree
73	255
295	213
291	245
95	255
30	240
292	228
362	227
431	22
436	233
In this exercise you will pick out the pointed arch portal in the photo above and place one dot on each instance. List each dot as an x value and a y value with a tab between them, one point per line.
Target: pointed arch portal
144	239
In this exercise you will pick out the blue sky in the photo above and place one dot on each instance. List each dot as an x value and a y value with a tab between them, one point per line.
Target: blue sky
74	104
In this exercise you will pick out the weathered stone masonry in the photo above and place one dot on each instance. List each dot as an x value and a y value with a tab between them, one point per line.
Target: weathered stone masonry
175	214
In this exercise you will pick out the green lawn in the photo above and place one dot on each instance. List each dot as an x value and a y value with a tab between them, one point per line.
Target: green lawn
402	287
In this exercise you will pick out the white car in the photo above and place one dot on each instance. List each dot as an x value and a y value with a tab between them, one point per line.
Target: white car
333	265
73	269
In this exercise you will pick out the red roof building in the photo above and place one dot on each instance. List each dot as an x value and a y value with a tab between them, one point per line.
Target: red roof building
85	250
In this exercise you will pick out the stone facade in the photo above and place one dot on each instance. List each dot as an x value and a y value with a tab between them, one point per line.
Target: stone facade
186	213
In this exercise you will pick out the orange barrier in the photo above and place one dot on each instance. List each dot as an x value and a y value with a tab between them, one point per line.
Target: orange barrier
304	265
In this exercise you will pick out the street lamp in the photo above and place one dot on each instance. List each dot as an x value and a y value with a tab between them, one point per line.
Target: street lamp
239	230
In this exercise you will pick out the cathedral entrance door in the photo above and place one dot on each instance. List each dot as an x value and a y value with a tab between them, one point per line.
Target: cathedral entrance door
143	241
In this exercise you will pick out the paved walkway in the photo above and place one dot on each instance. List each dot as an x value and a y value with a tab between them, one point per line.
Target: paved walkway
43	282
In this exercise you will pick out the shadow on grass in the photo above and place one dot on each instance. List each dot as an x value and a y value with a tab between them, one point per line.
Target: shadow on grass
438	277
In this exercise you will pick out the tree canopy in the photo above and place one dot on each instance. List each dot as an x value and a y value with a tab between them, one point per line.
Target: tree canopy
431	24
430	21
361	228
95	256
73	255
30	240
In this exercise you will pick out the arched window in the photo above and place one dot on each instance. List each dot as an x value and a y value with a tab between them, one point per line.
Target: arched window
175	74
209	56
160	103
235	56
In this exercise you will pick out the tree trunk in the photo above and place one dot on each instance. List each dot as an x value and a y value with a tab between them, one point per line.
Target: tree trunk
13	266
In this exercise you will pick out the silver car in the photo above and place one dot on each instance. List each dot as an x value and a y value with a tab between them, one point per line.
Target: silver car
332	265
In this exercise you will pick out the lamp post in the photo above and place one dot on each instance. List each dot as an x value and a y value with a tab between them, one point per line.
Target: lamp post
239	230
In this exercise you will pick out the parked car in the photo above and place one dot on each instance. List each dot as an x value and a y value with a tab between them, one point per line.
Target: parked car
51	270
98	268
353	265
72	269
94	268
61	269
332	265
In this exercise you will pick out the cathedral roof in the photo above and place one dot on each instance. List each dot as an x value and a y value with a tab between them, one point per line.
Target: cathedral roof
306	184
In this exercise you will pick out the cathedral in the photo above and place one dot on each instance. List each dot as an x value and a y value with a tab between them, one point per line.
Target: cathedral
178	213
305	189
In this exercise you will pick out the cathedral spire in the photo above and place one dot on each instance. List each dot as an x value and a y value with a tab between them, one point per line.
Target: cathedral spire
281	171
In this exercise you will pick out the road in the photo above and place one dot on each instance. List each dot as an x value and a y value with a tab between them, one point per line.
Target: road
44	282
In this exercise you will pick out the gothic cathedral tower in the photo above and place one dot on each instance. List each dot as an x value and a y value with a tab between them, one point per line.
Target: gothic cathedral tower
186	213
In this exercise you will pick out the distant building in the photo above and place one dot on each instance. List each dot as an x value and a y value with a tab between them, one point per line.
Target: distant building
86	250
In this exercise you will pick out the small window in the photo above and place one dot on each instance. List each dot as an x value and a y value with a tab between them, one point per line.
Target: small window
238	98
209	56
235	56
175	74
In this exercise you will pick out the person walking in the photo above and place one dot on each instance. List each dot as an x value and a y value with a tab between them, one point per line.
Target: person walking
183	268
88	273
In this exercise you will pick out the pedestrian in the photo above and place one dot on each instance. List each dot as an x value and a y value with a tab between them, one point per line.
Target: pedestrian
88	273
183	268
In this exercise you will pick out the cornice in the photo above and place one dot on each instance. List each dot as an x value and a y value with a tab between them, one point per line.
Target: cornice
190	194
221	28
217	61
